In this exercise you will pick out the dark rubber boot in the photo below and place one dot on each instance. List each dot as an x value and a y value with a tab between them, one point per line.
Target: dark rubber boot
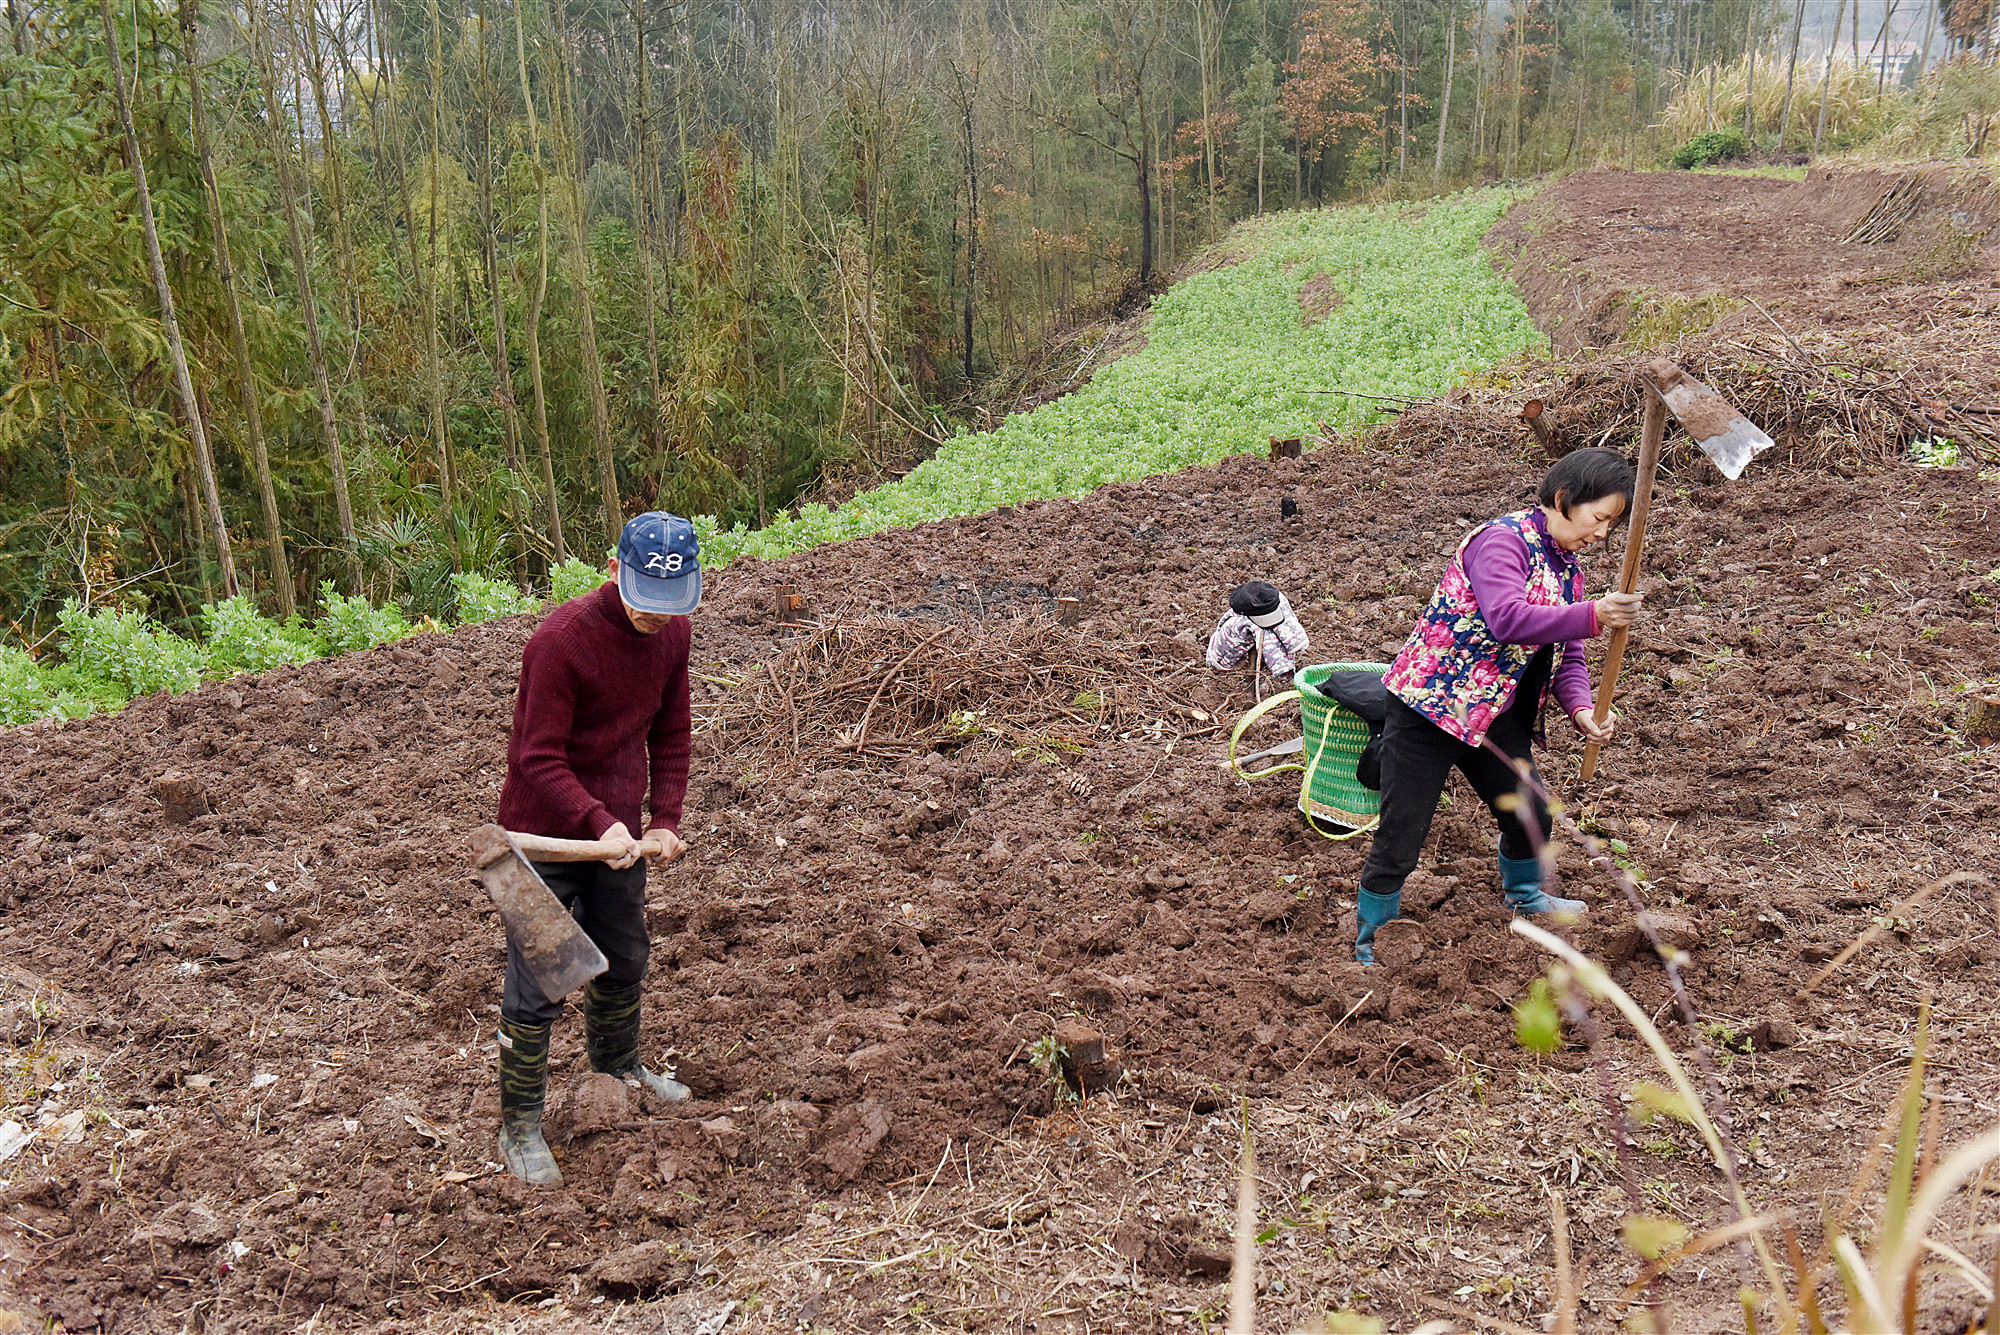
611	1037
524	1084
1522	880
1371	912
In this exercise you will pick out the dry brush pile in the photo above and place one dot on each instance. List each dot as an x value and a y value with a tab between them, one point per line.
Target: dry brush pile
884	688
1823	410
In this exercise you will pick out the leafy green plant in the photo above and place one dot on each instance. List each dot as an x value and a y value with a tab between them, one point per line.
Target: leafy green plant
241	640
483	598
29	691
351	623
1537	1027
573	579
1047	1055
1934	452
129	651
1712	146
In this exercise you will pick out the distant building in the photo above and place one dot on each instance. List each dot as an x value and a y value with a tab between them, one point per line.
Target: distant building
1890	59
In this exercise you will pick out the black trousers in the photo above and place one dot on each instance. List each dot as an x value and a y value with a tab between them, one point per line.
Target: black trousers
610	906
1417	759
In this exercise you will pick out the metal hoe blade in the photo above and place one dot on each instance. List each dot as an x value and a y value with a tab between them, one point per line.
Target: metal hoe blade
1295	746
1726	436
556	950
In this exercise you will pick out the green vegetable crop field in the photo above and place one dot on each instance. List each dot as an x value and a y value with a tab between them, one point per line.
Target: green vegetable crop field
1229	362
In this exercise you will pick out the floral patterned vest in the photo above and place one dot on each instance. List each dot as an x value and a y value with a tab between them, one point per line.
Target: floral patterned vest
1451	669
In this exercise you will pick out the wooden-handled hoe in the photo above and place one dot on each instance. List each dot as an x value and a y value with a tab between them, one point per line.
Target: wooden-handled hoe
1724	434
556	950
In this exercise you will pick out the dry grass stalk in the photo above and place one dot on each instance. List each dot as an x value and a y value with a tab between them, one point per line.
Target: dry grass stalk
1850	96
1881	1292
1243	1271
1590	975
1566	1295
1875	930
1476	1318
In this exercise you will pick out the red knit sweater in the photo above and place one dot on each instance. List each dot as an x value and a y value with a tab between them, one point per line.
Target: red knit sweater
600	710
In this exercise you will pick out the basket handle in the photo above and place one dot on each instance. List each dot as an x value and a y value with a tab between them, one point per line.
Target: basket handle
1311	768
1245	722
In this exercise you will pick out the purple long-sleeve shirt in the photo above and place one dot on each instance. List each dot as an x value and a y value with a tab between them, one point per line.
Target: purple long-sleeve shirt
1496	565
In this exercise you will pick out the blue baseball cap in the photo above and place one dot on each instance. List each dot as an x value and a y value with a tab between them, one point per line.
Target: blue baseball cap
659	565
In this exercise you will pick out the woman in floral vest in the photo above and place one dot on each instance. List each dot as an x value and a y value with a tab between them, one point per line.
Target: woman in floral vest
1504	631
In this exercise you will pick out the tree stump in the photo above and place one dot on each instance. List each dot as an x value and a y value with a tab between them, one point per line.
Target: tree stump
1982	719
182	797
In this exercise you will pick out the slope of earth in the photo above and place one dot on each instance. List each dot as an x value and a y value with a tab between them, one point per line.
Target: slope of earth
1858	310
1398	300
255	1048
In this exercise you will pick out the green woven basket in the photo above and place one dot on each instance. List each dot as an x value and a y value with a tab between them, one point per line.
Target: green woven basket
1329	794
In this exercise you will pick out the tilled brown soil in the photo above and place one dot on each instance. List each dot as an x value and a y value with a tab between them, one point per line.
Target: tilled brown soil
280	1014
1594	254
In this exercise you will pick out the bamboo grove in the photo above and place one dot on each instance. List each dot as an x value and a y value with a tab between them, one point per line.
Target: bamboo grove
362	293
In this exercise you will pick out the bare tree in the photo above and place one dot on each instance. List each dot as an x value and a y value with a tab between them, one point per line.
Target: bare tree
440	416
278	140
1444	93
1129	36
1791	74
176	353
538	294
489	256
1826	77
562	112
239	344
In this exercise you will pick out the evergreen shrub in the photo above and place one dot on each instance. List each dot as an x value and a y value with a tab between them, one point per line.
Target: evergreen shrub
1712	146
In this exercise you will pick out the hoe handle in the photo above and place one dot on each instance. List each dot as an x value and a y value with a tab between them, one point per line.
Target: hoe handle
543	848
1651	435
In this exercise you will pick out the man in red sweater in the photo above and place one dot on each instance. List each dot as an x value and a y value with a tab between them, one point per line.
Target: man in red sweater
600	715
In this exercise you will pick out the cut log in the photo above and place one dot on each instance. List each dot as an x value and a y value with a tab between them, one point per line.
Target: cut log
182	797
1982	719
1081	1045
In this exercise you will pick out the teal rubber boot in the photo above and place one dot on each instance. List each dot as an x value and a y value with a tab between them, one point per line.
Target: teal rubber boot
1371	912
1522	879
524	1085
611	1037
